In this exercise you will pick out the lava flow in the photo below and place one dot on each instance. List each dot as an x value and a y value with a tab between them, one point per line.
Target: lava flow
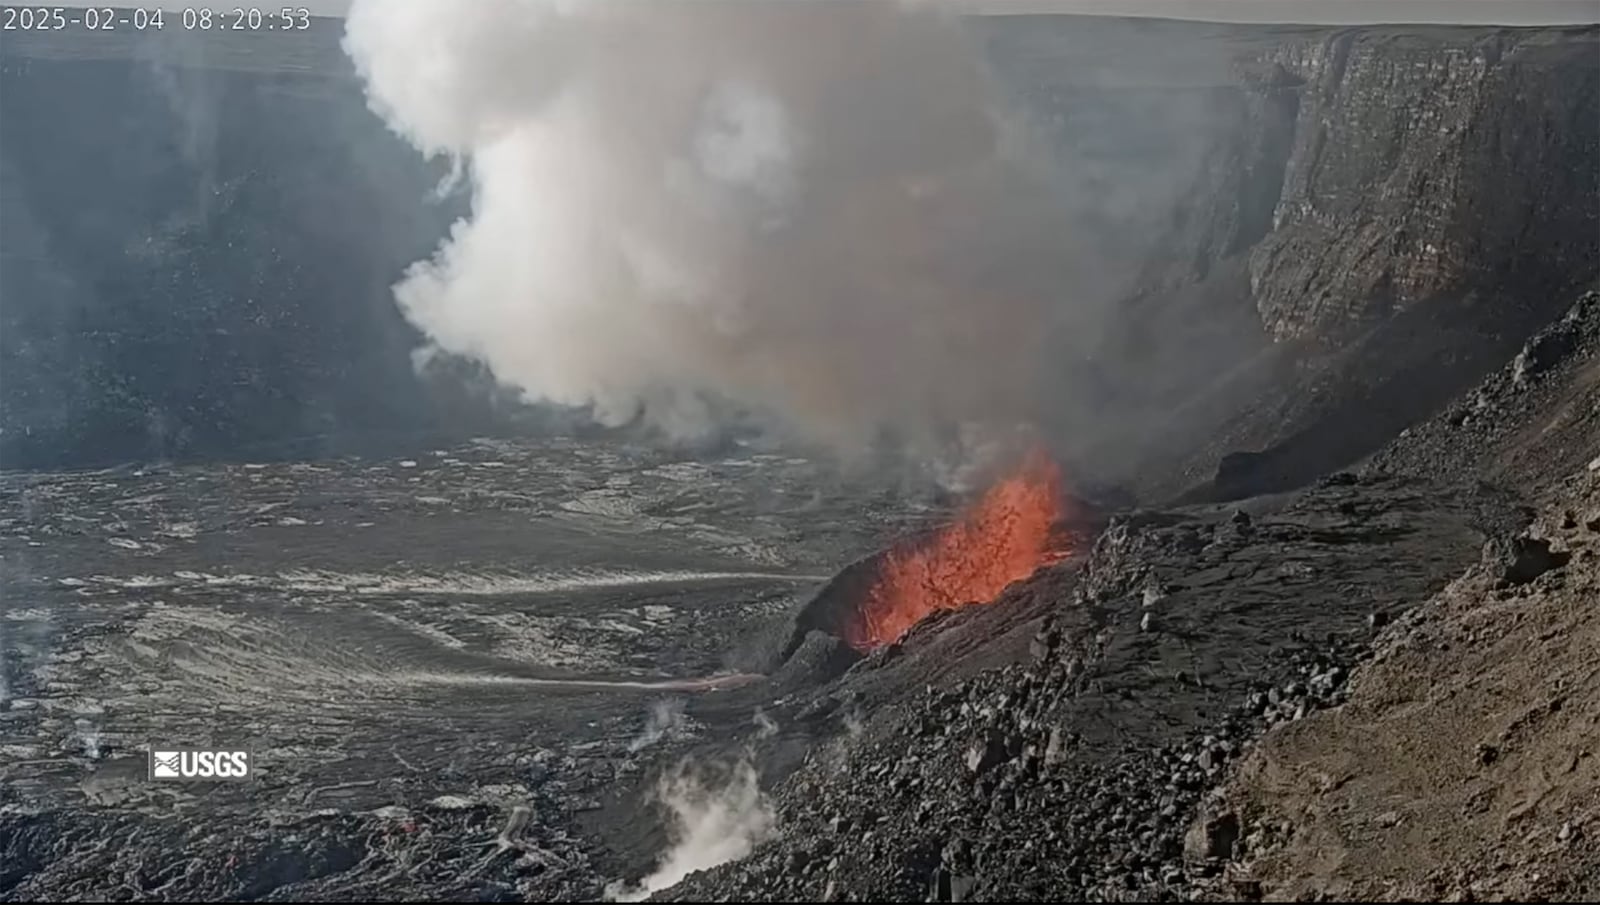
1003	537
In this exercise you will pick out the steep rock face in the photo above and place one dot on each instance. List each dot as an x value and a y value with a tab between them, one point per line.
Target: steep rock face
1353	172
1319	235
197	239
1331	232
1168	140
1423	164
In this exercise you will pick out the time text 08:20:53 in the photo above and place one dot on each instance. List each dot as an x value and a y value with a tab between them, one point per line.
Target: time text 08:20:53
194	18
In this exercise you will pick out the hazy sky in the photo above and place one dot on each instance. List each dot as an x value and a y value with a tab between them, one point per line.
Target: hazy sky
1519	12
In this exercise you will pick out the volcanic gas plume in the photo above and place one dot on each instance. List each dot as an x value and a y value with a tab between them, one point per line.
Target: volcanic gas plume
817	216
1005	536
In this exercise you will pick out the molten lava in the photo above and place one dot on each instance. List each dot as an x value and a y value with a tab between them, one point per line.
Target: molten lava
1003	537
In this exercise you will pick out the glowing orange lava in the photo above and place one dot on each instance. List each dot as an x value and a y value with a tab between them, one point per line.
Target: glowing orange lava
1003	537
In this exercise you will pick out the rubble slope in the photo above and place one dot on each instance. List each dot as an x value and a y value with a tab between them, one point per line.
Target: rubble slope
1381	687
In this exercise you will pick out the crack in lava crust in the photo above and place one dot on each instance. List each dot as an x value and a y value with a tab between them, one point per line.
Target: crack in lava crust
1004	537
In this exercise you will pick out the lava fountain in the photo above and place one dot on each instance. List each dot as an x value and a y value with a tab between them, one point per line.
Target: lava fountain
1004	536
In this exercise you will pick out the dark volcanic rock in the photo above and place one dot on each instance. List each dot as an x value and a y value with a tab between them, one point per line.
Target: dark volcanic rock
1428	118
1484	431
833	609
986	752
317	857
1212	838
1076	775
1522	559
819	658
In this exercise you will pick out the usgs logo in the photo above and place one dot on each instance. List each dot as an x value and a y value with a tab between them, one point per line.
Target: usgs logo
193	763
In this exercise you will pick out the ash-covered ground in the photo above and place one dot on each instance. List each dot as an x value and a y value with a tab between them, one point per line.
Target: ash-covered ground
414	643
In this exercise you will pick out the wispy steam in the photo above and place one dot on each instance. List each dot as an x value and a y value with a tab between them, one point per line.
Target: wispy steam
5	668
715	820
853	723
665	716
766	726
805	212
89	735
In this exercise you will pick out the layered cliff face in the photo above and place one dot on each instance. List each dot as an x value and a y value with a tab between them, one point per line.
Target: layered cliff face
1355	172
1426	164
1335	231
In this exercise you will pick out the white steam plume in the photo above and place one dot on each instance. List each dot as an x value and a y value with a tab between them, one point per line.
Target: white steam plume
714	822
665	716
799	211
5	682
766	726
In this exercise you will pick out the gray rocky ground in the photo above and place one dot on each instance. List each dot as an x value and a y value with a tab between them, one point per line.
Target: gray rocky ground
410	648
